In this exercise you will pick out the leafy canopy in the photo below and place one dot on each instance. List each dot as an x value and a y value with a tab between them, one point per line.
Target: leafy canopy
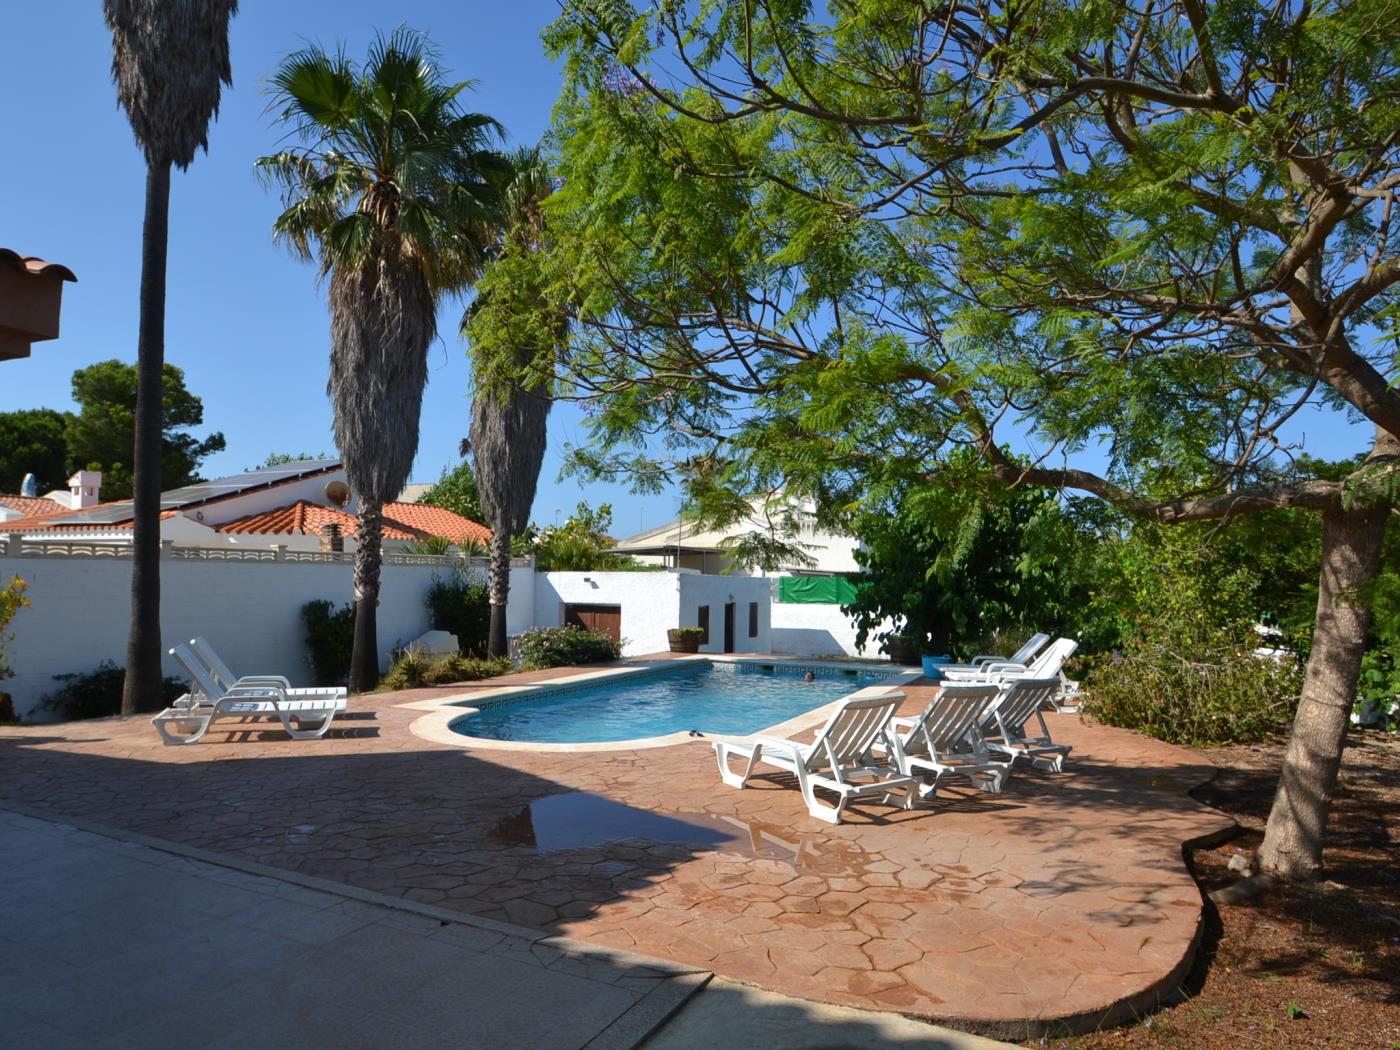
456	490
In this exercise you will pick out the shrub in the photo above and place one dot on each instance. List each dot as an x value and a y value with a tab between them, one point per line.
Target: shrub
566	646
330	635
438	545
462	607
1195	687
98	694
413	669
12	600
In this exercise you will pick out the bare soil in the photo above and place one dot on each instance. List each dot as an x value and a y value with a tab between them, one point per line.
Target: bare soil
1297	966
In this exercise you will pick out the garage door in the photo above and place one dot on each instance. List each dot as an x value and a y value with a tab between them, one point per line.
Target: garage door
604	618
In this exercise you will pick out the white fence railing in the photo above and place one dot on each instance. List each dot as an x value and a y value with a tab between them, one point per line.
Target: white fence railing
16	545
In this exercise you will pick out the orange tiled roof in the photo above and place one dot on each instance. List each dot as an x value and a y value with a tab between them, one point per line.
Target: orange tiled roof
33	506
435	521
402	521
35	266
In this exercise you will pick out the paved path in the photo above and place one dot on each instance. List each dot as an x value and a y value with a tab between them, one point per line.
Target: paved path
1063	901
106	943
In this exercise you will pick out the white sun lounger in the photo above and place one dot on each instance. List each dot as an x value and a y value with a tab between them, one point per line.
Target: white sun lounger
946	739
1022	655
189	718
841	755
226	679
1049	664
1005	727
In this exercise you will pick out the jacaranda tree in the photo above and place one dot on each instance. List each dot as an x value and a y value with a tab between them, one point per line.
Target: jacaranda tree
392	190
825	246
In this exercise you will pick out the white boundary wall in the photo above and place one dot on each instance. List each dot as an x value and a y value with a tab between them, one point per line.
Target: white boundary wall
249	609
654	602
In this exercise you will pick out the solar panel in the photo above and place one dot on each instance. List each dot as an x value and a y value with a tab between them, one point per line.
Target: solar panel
206	490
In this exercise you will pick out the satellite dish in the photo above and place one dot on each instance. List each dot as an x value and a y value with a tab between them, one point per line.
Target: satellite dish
338	493
29	487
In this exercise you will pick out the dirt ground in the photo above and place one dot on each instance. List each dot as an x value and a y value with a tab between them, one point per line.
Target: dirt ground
1298	966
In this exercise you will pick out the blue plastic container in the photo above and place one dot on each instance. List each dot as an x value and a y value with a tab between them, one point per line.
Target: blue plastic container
933	665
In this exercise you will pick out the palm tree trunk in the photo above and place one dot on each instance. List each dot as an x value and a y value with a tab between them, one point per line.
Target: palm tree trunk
364	655
1351	551
141	687
498	587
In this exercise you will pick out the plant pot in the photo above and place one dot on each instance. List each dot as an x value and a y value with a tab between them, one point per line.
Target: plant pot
904	651
683	642
933	665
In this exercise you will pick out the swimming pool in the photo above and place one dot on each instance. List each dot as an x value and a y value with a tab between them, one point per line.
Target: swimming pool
733	698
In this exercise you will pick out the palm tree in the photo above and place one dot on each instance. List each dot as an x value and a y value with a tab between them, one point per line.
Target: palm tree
169	62
508	326
393	189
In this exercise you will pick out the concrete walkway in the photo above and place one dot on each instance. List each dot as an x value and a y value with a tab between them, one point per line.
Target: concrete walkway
106	942
117	941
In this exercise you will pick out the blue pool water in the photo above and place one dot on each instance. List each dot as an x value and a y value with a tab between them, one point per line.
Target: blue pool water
732	699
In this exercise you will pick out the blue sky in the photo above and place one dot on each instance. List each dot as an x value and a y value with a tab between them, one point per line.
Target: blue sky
244	320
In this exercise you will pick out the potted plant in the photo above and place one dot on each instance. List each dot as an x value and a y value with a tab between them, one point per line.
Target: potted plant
685	639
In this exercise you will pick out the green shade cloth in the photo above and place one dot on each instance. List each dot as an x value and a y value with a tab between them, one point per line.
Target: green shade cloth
816	590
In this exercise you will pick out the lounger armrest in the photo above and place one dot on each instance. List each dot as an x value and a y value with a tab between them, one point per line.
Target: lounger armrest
1003	668
270	691
263	679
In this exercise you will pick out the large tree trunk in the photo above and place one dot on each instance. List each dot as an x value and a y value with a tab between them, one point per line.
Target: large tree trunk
499	588
1351	549
364	656
141	688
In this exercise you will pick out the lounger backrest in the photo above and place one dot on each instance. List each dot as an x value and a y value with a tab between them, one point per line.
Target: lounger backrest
1022	698
200	677
205	652
851	730
954	713
1023	655
1053	659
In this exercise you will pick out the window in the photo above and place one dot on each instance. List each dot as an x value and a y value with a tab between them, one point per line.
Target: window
702	620
753	619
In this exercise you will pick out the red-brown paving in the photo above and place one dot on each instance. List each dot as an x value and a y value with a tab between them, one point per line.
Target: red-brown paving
1061	899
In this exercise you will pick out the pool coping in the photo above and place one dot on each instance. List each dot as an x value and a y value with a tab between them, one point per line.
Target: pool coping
441	711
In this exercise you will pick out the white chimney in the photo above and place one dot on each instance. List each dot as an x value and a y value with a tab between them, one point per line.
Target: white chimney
85	489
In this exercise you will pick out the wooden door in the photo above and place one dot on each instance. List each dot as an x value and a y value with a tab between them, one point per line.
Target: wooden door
606	619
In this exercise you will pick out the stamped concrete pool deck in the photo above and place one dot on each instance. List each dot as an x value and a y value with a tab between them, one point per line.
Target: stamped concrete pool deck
1063	901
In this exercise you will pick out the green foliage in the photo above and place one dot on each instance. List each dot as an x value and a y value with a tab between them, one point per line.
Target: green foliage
103	432
98	693
456	491
438	545
1378	691
412	670
953	566
330	636
458	605
277	459
566	647
12	600
687	632
1187	672
580	544
32	442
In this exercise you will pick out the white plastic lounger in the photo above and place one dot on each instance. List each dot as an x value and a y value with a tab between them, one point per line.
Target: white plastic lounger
841	754
189	718
1021	700
1046	665
1022	655
946	740
226	679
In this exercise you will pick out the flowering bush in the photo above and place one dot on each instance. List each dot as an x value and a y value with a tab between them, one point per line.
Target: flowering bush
564	646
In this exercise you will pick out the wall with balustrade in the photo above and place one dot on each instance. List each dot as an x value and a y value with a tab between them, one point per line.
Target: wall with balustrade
246	601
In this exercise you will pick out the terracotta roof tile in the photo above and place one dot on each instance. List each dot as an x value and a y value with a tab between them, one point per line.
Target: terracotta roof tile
34	265
435	521
402	521
33	506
